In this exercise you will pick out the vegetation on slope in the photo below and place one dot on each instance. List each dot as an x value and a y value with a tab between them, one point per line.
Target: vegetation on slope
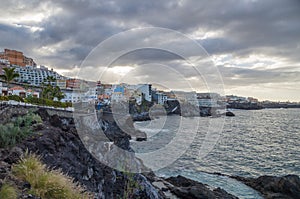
8	192
18	129
46	183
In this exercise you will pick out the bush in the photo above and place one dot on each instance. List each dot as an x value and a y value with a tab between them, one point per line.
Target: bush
8	192
46	183
3	98
17	130
15	98
47	102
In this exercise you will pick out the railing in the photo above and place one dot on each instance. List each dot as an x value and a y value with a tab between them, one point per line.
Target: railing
6	104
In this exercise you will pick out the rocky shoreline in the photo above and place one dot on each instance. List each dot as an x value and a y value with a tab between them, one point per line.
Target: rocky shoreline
270	187
57	142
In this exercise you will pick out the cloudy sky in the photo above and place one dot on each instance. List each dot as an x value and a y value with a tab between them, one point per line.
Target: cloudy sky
254	46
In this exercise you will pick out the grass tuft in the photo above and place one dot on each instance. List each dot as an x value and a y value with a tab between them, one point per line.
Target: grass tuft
8	192
44	182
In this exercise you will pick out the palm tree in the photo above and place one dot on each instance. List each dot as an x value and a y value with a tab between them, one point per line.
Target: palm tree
50	92
57	93
9	75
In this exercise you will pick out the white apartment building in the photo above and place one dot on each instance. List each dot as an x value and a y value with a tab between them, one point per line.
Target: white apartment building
35	76
145	89
72	96
90	95
4	61
161	98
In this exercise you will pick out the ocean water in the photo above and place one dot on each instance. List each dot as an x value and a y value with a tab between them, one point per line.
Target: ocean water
251	144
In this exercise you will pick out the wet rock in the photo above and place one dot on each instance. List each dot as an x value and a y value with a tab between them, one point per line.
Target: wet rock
187	188
141	116
229	114
272	187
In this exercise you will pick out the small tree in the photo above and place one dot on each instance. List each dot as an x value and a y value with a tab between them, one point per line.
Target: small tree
57	93
9	75
50	92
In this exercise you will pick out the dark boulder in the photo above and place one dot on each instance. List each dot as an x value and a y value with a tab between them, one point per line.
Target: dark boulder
42	112
187	188
229	114
141	116
272	187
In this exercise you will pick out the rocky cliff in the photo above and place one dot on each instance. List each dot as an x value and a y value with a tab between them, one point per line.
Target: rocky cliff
57	141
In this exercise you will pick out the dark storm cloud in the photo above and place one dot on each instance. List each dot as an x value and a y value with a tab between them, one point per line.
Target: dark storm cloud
70	29
233	76
246	24
11	36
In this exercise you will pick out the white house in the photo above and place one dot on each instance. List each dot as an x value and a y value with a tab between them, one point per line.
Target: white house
20	91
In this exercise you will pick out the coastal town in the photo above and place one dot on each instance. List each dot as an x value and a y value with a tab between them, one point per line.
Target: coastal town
31	81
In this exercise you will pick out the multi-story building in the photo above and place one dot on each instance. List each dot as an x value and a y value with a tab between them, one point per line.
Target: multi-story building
72	96
29	61
144	89
13	56
61	83
118	93
90	95
16	58
99	88
159	97
73	83
4	62
35	76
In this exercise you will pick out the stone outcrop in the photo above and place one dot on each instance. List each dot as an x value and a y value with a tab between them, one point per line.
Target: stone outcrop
58	144
273	187
181	187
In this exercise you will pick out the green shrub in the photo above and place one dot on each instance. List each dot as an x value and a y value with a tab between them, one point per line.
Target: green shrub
3	98
45	183
9	134
47	102
17	130
15	98
8	192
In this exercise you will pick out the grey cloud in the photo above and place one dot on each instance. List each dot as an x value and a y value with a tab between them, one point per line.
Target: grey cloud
246	25
265	27
234	76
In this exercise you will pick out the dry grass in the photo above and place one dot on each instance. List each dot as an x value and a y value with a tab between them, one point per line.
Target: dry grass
46	183
8	192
